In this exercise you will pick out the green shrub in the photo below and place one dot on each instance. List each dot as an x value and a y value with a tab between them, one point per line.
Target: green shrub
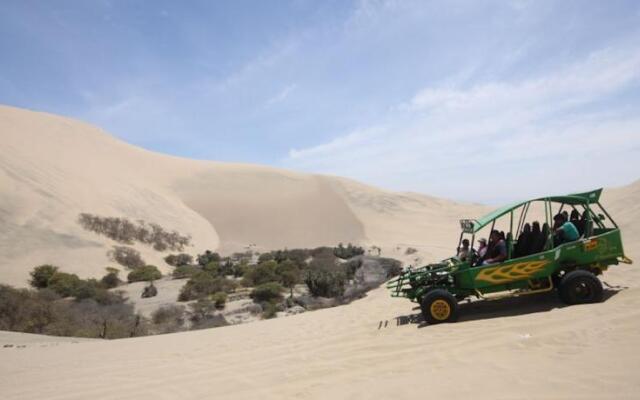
185	271
204	284
86	289
267	292
145	273
111	279
325	279
270	311
41	275
207	257
239	269
322	252
226	267
177	260
219	300
212	268
261	273
347	252
64	284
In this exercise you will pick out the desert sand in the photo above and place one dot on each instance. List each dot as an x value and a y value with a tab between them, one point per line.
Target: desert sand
375	348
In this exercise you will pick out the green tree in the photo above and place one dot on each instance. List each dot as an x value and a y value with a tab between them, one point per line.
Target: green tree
267	292
288	274
41	275
261	273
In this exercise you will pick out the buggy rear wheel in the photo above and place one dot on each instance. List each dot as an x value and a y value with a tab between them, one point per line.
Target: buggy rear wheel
580	287
439	306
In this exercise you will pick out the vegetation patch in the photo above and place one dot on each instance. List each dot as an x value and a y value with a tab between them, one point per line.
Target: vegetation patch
126	232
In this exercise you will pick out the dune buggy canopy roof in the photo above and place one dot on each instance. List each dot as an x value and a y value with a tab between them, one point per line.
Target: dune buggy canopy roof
474	225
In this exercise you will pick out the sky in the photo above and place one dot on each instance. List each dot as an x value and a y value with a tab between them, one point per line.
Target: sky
483	101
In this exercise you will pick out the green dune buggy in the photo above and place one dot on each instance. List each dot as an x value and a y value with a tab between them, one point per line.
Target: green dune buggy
571	268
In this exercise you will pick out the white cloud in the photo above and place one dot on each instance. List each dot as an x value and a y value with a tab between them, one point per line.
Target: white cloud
282	94
529	136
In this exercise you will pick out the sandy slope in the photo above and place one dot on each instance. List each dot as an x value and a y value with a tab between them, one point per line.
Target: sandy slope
53	168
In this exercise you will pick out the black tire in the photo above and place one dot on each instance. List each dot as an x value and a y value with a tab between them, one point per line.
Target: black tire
580	287
439	306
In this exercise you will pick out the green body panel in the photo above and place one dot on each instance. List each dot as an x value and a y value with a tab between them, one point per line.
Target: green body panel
595	253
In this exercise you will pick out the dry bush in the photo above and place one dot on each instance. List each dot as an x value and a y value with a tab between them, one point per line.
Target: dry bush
124	231
167	319
126	256
44	312
177	260
410	250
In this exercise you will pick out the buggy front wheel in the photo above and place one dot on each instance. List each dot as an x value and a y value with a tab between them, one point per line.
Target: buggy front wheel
439	306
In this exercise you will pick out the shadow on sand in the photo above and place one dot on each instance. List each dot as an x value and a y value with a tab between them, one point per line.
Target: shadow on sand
506	307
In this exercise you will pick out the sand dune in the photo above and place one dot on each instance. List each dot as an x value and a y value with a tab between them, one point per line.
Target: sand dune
374	348
53	168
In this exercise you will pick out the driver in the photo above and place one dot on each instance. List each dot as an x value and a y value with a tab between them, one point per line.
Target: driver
463	252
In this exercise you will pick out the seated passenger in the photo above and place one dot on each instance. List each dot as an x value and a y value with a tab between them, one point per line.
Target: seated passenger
482	248
566	231
523	246
577	221
463	252
497	252
537	239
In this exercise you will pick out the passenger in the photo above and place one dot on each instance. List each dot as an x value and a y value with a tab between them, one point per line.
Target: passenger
575	215
523	246
566	232
583	222
463	252
537	240
545	235
482	248
556	219
577	221
497	252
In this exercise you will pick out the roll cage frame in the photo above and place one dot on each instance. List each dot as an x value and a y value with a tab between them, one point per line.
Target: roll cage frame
588	201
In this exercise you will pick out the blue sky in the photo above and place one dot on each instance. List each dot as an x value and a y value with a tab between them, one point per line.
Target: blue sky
481	101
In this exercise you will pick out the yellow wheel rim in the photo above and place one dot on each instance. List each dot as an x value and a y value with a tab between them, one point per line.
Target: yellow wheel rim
440	310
